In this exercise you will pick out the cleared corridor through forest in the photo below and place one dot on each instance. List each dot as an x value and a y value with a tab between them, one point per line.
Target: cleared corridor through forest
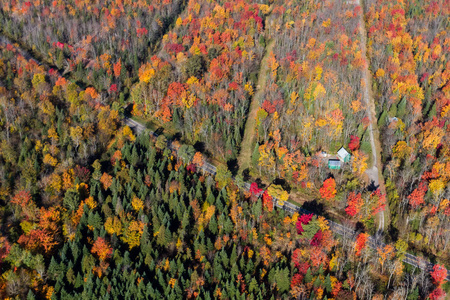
247	145
375	172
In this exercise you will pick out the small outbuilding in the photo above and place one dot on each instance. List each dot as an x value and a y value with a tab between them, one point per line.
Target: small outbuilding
343	155
334	164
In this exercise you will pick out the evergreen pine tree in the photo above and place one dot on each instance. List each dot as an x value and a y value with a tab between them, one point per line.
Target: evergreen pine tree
134	160
78	281
30	295
383	119
213	225
282	278
401	108
432	113
317	282
328	284
308	276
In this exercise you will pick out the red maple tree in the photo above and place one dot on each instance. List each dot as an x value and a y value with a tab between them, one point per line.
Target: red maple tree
354	204
416	197
437	294
254	189
267	201
354	142
438	274
303	219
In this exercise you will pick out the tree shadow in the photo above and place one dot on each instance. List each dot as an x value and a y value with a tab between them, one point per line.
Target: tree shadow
159	130
393	233
127	110
246	174
200	147
233	166
360	227
284	184
177	136
260	184
316	208
372	187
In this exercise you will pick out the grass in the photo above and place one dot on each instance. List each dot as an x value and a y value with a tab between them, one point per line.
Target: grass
248	141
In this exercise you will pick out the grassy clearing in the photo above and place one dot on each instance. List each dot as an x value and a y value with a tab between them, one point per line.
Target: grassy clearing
248	142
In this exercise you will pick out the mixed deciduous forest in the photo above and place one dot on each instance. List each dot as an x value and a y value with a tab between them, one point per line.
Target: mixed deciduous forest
410	61
92	208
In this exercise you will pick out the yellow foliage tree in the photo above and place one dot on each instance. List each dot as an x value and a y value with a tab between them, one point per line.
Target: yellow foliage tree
113	226
436	187
50	160
146	72
432	138
359	164
132	234
402	150
137	204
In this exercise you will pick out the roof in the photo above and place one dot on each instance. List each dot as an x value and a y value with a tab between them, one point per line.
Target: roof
334	162
343	153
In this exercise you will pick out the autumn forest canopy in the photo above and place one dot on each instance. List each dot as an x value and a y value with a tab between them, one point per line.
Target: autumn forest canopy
203	149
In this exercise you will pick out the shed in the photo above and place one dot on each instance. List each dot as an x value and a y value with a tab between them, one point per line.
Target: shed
334	164
343	155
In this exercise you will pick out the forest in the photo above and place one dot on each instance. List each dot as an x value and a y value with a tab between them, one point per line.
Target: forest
410	61
93	208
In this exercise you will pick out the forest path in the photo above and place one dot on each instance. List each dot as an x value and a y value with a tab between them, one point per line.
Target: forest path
374	173
247	144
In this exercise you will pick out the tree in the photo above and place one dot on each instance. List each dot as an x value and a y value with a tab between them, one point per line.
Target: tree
328	189
254	189
438	274
354	142
101	248
198	159
360	243
267	201
195	66
416	198
308	277
117	68
378	202
21	198
186	153
303	220
437	294
354	204
310	230
282	280
401	246
359	163
223	176
277	191
161	142
106	180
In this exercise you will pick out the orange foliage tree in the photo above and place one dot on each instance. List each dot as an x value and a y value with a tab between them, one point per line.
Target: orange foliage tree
101	248
354	204
328	190
360	243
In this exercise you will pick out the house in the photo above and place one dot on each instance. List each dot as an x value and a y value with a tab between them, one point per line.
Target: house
343	155
334	164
